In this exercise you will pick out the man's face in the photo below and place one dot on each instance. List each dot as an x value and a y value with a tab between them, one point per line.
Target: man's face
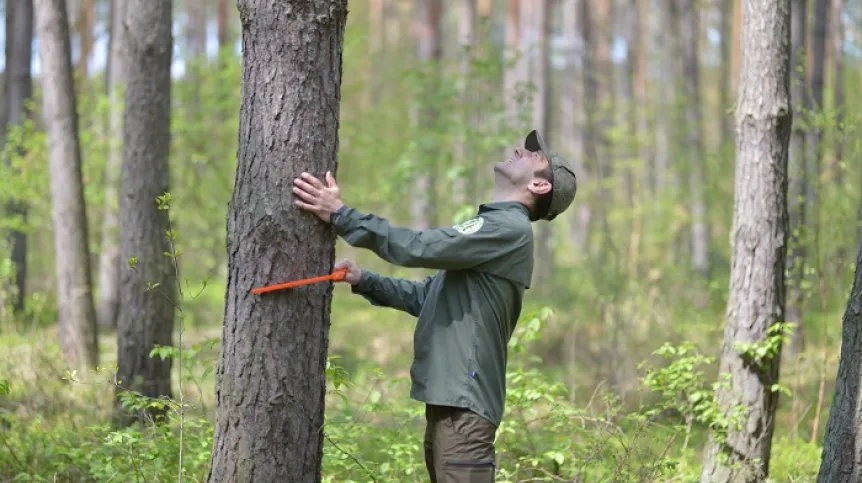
520	170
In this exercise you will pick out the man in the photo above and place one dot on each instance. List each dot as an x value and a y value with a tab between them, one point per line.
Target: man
468	310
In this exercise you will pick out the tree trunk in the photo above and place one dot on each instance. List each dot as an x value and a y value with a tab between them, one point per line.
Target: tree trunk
270	379
510	76
724	94
223	30
18	93
427	29
842	445
110	263
196	30
838	85
77	314
694	139
797	178
589	108
146	316
466	46
817	57
758	242
85	35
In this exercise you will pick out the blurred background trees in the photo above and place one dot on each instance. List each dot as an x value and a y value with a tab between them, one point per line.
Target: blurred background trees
640	94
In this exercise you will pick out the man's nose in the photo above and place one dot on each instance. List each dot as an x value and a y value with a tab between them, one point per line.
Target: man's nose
519	151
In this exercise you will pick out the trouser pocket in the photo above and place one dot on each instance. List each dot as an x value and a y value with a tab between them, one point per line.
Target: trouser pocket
469	471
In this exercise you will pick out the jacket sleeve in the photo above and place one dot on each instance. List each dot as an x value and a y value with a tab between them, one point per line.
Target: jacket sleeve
482	239
404	295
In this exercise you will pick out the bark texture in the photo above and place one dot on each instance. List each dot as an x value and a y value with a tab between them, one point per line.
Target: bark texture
18	92
77	313
110	262
270	378
146	316
759	243
842	445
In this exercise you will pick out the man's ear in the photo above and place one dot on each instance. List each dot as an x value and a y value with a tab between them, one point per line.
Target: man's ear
539	186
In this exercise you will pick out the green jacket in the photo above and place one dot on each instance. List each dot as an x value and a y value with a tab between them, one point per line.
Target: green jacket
467	311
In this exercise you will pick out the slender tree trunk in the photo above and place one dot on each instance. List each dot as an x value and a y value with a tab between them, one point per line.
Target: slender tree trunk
589	108
77	313
146	316
270	381
665	114
85	35
693	138
466	45
841	458
223	24
736	48
837	34
817	57
510	76
427	28
797	178
110	263
18	91
758	242
724	94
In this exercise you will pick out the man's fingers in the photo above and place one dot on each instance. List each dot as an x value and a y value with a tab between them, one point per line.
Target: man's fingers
305	196
312	180
330	181
305	206
306	187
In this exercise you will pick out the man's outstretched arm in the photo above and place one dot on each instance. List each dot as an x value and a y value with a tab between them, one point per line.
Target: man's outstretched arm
399	294
440	248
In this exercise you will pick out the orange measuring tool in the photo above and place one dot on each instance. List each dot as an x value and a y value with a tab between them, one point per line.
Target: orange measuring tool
336	276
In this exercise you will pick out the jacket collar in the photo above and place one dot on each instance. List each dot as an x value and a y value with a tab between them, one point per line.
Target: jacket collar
504	206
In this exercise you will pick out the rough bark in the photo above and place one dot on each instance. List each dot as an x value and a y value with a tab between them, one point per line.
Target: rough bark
797	176
270	379
841	458
427	30
693	136
18	90
110	262
146	316
77	313
758	243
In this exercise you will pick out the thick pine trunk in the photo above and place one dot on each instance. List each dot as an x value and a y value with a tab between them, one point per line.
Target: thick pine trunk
797	177
270	379
693	137
146	316
758	242
842	445
18	92
110	263
77	313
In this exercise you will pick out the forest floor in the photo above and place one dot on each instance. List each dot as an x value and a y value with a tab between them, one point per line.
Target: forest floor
374	347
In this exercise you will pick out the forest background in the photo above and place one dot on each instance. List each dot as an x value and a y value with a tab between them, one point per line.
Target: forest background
613	365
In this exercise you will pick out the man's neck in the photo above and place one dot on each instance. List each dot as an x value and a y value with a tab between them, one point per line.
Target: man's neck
500	195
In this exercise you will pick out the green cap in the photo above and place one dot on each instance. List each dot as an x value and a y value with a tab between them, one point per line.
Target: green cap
564	183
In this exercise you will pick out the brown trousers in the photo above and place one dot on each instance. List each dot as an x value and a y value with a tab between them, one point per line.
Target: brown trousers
459	446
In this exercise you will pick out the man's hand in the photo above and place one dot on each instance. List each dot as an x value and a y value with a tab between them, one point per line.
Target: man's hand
353	272
321	200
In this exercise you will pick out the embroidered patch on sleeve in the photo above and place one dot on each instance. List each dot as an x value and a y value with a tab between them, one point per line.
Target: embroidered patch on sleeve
470	226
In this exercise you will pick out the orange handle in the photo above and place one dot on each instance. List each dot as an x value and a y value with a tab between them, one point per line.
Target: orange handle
336	276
